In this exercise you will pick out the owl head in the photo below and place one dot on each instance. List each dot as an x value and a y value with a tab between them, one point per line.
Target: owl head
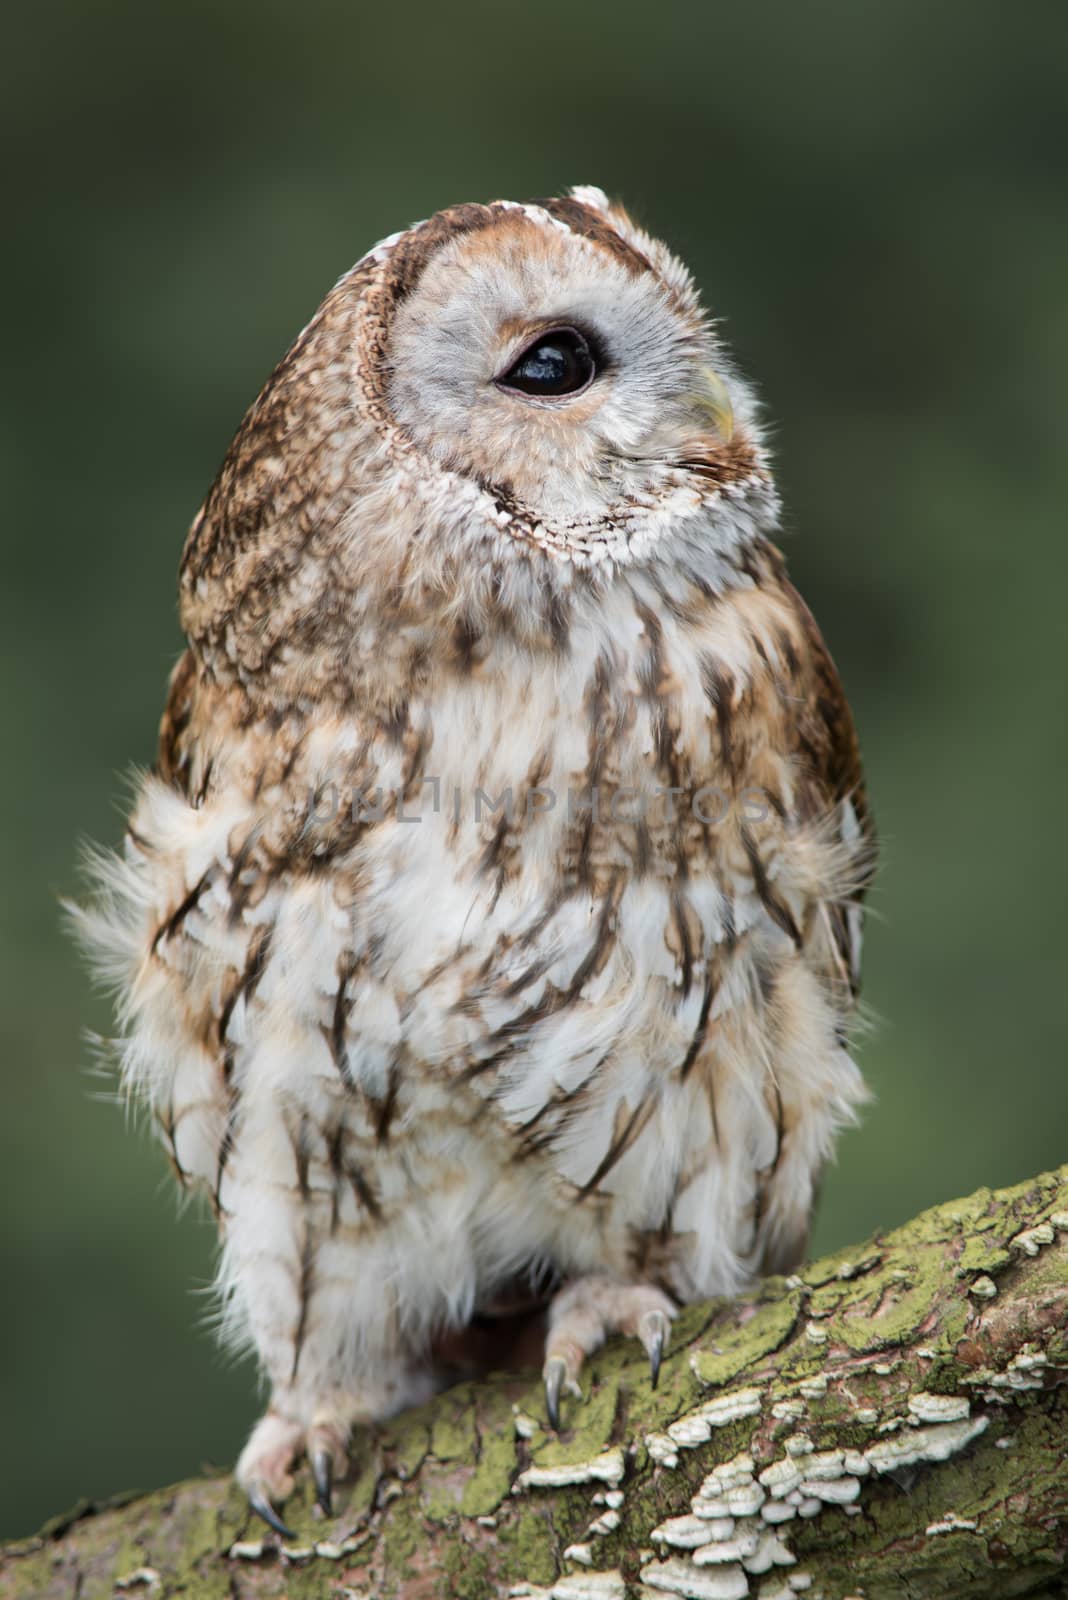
495	412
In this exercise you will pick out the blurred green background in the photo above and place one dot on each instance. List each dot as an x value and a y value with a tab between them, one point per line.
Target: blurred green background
872	197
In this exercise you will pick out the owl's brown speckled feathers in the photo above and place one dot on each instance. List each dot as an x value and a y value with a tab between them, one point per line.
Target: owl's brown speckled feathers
490	923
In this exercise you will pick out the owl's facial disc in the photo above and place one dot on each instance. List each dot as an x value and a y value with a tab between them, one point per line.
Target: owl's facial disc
560	359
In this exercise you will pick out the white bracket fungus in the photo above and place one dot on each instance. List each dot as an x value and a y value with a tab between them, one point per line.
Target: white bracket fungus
939	1407
683	1578
606	1468
936	1443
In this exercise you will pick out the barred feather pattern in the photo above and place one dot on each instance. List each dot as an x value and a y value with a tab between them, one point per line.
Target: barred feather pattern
417	1042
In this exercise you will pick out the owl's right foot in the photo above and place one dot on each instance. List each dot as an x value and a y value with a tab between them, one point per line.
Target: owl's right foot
318	1424
581	1318
275	1446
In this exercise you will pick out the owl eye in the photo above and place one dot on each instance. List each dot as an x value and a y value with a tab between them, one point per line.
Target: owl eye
561	362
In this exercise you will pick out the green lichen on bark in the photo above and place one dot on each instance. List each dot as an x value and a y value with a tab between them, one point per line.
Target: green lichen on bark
918	1380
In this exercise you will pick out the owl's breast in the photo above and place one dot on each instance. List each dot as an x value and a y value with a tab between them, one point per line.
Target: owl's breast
563	908
592	889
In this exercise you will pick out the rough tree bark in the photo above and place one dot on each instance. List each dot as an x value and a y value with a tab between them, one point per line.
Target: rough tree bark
889	1423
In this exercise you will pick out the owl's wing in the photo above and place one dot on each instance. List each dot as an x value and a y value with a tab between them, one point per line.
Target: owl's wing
829	807
173	752
833	785
210	910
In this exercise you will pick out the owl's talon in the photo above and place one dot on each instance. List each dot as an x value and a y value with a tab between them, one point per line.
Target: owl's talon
555	1373
322	1465
653	1331
257	1499
582	1316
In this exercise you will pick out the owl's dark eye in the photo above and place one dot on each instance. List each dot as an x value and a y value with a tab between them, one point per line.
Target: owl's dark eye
561	362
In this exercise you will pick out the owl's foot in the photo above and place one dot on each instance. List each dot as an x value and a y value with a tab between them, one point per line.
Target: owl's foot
265	1467
581	1318
318	1424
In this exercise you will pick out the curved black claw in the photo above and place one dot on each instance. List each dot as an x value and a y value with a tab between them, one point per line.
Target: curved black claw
654	1337
555	1373
656	1355
322	1465
263	1508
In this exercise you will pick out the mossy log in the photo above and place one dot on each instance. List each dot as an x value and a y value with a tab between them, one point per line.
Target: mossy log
892	1422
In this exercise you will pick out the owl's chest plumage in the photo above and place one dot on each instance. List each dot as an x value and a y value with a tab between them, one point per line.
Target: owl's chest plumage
535	957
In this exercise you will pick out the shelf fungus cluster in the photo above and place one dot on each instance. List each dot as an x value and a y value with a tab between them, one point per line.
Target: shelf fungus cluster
737	1527
733	1543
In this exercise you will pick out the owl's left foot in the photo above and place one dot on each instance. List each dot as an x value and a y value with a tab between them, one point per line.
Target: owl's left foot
581	1318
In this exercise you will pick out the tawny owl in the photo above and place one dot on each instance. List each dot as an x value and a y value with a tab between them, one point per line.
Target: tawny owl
490	923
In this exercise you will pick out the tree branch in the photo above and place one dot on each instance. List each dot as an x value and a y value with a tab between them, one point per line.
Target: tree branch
892	1422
